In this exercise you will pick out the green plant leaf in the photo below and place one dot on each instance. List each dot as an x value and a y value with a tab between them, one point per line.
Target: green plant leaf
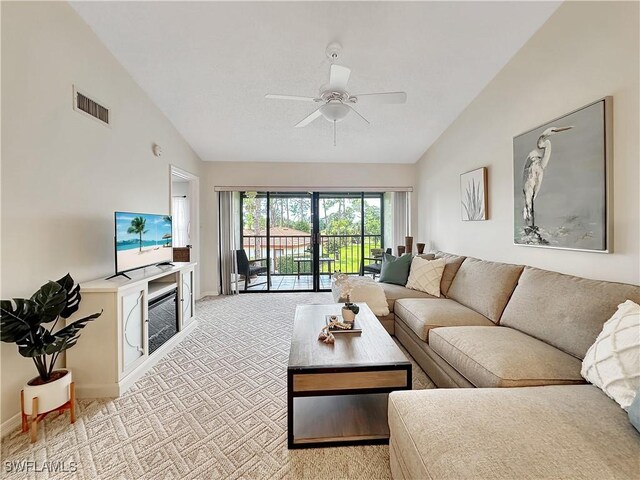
46	337
60	345
72	329
31	350
21	322
50	300
16	323
73	296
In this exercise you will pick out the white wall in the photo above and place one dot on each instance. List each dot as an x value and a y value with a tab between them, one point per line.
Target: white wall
271	175
586	50
180	188
63	174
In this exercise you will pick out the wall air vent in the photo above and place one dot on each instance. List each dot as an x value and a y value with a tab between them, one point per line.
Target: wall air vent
90	107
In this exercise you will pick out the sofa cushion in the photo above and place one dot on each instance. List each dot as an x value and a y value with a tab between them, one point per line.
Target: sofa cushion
439	371
396	292
485	286
504	357
565	311
425	275
395	269
516	433
451	267
612	363
423	314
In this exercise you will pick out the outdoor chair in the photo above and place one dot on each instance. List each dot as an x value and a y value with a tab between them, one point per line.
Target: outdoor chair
247	269
375	267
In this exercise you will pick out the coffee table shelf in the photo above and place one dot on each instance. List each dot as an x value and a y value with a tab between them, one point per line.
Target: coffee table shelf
340	418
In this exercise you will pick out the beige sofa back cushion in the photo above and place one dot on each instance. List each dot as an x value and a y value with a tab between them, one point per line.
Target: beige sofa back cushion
450	270
485	286
564	311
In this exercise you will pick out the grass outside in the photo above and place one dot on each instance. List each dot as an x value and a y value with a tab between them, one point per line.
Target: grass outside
349	258
347	261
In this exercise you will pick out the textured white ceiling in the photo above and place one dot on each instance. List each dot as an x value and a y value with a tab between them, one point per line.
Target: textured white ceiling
207	65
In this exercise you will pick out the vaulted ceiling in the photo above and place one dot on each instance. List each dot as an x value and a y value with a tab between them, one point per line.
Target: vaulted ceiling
208	65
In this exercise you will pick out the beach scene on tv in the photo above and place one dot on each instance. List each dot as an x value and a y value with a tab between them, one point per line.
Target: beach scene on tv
142	239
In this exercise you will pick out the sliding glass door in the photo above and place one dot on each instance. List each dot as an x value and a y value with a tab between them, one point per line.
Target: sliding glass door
296	241
351	229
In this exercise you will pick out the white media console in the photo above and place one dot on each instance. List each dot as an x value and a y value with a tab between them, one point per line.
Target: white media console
115	350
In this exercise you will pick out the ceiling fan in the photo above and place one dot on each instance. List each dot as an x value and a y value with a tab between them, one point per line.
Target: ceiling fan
336	102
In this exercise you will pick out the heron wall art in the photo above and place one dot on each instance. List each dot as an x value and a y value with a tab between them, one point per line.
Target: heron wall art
560	181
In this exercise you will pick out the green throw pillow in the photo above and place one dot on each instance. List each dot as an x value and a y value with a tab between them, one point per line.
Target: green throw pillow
395	269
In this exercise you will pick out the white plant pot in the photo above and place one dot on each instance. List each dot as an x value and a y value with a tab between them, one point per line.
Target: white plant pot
50	395
348	315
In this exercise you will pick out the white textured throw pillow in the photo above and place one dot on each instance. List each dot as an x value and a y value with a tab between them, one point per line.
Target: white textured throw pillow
613	361
425	275
360	290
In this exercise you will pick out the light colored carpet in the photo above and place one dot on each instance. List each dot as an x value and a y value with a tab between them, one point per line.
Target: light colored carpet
214	407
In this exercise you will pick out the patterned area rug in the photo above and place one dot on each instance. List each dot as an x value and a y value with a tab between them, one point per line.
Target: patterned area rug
214	407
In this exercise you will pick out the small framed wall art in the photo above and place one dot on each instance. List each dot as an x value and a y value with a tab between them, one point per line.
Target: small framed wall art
473	195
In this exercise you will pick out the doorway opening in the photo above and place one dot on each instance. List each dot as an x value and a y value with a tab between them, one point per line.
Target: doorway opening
184	190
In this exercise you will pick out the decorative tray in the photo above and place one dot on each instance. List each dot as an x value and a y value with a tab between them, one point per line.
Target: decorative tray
332	318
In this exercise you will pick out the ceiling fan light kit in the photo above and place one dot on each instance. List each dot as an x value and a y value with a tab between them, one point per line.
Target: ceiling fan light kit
337	102
334	111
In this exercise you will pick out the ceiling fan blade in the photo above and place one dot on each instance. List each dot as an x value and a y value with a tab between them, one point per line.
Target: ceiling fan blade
292	97
339	78
357	113
308	119
385	97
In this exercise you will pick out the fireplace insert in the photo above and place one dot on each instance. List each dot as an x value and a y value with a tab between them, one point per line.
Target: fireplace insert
163	319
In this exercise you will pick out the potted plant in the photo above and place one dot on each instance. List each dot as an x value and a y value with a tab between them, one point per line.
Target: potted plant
349	311
31	323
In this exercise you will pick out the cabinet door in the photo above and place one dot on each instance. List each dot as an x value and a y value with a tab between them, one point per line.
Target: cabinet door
133	315
187	305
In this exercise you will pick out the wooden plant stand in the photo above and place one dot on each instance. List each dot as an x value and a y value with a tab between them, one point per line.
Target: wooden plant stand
37	417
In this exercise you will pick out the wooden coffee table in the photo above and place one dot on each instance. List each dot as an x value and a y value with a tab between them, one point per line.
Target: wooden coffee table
337	394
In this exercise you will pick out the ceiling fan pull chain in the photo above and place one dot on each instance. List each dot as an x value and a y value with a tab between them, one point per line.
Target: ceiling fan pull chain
334	133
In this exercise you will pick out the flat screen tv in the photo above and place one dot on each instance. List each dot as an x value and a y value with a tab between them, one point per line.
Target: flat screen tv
142	239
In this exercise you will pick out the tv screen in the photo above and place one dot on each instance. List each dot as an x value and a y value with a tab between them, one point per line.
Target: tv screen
142	239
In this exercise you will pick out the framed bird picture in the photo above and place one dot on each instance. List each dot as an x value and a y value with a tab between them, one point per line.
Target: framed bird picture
561	181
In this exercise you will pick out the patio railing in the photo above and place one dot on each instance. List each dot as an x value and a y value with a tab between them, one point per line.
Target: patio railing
292	255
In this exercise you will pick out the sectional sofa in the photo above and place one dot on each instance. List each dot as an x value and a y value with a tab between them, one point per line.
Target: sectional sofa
499	325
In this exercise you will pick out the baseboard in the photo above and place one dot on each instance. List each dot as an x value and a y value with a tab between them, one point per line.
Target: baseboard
208	294
8	426
97	390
